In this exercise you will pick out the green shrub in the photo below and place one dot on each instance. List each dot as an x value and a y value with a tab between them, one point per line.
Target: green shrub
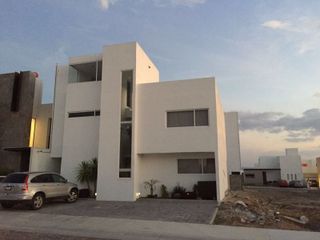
164	191
178	192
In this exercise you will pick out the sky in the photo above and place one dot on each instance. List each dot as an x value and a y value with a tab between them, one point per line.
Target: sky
265	55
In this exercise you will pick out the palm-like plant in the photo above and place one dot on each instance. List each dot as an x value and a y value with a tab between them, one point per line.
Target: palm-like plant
151	185
87	173
84	173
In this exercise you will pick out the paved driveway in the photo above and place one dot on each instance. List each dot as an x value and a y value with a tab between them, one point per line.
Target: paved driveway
190	211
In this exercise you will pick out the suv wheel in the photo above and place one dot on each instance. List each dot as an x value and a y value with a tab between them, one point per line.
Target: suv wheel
37	201
73	196
7	204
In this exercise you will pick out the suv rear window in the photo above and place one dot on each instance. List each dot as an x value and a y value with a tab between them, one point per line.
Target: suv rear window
15	178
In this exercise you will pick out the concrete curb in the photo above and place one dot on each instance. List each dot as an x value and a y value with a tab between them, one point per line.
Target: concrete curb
215	212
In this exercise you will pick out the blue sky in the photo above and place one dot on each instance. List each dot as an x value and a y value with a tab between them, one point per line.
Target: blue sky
265	55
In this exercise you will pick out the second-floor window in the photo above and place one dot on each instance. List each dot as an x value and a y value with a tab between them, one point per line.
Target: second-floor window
187	118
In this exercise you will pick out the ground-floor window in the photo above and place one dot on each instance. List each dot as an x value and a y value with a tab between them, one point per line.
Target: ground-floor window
195	166
249	175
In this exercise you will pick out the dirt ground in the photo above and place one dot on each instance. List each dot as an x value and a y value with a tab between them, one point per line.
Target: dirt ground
267	208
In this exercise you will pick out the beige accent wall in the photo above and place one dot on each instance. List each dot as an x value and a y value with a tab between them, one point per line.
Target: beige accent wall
42	129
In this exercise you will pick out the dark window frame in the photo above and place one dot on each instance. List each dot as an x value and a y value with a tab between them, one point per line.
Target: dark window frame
201	161
196	121
81	114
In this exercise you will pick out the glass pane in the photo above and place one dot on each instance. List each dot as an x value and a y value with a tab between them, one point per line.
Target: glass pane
15	178
189	166
99	71
125	146
124	174
57	178
84	72
209	165
126	95
202	118
180	119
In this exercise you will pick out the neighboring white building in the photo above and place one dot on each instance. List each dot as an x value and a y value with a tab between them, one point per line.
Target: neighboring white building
113	107
290	165
233	142
273	168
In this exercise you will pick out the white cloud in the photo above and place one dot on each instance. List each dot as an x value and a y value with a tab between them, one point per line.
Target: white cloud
105	4
276	24
186	3
303	32
316	95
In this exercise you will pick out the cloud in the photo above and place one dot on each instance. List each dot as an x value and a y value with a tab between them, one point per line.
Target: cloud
105	4
316	95
186	3
303	32
299	129
276	24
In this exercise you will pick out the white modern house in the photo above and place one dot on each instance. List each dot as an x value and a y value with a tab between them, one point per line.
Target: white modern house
111	106
273	168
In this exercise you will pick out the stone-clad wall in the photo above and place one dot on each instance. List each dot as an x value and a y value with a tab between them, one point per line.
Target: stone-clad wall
15	125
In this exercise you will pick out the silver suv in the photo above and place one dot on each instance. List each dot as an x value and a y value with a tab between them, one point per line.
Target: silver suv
34	188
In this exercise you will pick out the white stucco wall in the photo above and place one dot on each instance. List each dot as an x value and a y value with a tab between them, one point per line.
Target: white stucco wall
221	153
116	58
164	168
80	135
40	160
155	99
146	72
291	164
233	142
83	96
59	103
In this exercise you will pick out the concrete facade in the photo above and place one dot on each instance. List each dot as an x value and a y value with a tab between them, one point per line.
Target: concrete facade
102	100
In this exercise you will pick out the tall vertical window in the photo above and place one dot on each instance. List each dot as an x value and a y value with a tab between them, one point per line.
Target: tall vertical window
126	95
126	125
49	132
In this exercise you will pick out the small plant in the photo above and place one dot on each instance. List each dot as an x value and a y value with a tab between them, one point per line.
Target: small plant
178	191
151	186
164	191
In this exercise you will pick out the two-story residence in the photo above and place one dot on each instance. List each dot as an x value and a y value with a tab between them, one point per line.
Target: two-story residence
111	106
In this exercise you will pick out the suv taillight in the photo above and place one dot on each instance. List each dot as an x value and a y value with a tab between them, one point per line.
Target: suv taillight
25	184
